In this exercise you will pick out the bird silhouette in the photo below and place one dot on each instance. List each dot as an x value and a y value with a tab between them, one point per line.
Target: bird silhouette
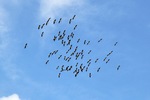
42	26
96	60
48	21
115	43
54	21
107	60
57	67
84	41
42	34
100	40
104	58
90	75
39	27
118	67
59	20
59	75
75	27
70	21
25	46
73	17
89	52
47	62
78	40
98	69
88	42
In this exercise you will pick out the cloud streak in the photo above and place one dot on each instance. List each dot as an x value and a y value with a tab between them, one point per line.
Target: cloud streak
6	55
55	7
11	97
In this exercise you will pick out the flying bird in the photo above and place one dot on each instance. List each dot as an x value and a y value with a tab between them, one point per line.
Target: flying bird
115	43
47	62
59	56
42	34
39	27
75	27
107	60
96	60
104	58
98	69
42	26
55	37
48	21
25	46
84	41
89	52
54	21
78	40
57	67
59	20
90	75
49	54
88	42
118	67
59	75
73	16
100	40
70	21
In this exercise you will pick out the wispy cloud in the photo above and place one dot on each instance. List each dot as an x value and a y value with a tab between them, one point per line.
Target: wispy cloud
11	97
6	55
54	8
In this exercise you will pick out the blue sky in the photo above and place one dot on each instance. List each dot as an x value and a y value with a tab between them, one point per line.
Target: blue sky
24	75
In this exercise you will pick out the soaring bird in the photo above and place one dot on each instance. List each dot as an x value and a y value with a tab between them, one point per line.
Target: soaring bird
73	16
88	42
96	60
115	43
39	27
48	21
70	68
89	64
70	21
49	54
100	40
76	64
59	33
78	40
75	27
111	52
59	75
107	61
47	62
42	26
59	20
89	52
42	34
82	56
59	56
90	75
54	21
118	67
70	46
84	41
98	69
55	37
104	58
57	67
88	60
25	46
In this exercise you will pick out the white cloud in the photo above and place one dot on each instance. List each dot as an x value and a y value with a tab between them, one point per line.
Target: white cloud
6	55
11	97
55	7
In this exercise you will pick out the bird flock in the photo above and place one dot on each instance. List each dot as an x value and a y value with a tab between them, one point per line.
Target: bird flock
74	53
